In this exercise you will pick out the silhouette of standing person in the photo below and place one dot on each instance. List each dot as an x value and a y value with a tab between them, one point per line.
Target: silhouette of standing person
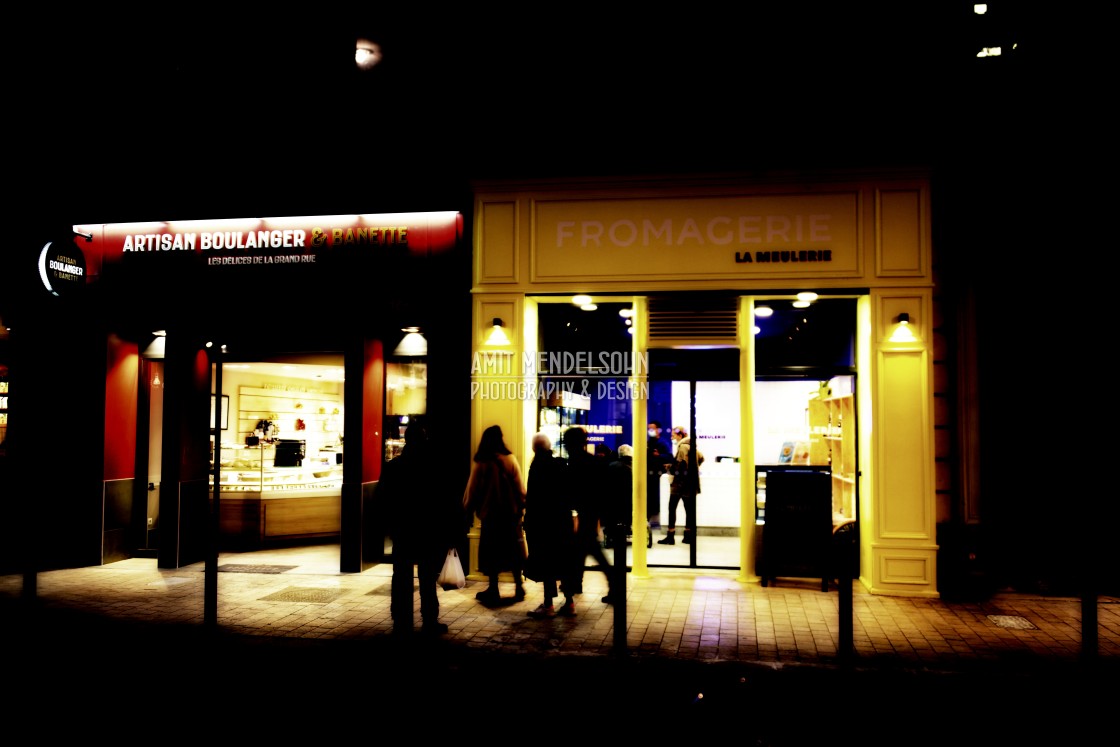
496	494
620	498
659	456
588	487
549	529
423	521
684	488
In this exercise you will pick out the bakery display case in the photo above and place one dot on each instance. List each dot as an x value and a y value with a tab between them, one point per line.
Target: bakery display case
265	499
254	469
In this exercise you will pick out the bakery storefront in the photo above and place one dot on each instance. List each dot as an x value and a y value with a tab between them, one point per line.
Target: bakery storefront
787	325
310	343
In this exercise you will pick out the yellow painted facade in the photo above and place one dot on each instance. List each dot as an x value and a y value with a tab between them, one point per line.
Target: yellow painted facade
862	235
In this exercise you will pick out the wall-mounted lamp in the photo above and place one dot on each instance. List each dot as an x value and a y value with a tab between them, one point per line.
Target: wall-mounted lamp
412	344
902	331
497	334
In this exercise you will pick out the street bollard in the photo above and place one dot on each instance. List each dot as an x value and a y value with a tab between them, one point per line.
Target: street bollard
617	534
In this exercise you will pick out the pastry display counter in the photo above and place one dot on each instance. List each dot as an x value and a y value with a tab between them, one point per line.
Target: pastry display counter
262	502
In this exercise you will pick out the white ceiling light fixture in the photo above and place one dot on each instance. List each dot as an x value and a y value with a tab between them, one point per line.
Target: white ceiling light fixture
581	300
801	304
809	296
763	311
413	344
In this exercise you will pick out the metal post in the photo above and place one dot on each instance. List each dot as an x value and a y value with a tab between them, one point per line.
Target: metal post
618	586
692	487
210	577
843	541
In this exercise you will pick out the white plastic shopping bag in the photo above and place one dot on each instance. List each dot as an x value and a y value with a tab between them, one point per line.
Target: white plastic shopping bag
451	577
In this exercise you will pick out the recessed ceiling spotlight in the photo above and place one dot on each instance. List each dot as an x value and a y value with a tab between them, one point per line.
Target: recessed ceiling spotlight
763	311
581	300
806	296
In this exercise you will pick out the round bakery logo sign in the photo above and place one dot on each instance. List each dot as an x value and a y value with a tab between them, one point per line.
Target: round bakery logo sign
62	267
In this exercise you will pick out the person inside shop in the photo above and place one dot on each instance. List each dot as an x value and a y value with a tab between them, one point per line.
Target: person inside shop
549	529
495	493
659	457
423	525
683	489
621	495
588	484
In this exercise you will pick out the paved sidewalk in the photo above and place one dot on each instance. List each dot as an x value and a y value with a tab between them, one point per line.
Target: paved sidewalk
687	614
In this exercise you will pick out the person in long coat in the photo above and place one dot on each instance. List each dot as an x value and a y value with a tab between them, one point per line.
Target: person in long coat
496	494
549	529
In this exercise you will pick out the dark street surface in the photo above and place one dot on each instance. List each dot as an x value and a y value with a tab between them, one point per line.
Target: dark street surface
70	674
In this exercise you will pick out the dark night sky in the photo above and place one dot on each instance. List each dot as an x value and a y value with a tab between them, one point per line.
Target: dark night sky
173	114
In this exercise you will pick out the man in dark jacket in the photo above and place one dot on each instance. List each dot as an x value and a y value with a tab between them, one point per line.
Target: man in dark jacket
589	487
423	520
620	505
659	456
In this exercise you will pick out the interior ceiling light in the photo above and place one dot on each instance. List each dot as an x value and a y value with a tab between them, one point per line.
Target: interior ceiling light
367	54
763	311
626	313
589	306
581	300
801	304
806	296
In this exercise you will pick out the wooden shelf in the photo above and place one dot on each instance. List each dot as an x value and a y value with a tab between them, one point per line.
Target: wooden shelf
832	421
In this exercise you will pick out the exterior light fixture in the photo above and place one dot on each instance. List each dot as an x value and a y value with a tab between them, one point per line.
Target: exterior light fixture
498	334
412	344
902	331
366	54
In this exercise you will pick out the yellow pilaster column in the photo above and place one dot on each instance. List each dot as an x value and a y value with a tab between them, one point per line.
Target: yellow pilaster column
747	471
897	481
